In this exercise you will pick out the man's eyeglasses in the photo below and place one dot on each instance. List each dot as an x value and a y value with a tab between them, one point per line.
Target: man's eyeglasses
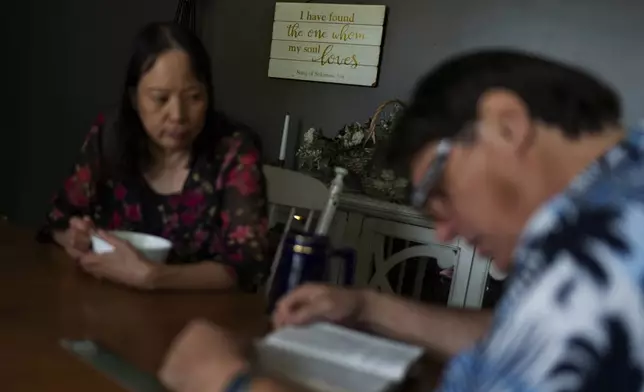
420	193
428	185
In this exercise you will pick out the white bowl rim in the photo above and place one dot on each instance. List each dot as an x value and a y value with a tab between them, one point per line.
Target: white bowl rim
162	242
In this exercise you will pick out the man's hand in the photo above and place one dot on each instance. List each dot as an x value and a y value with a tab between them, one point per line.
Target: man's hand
123	265
443	330
202	358
76	239
310	303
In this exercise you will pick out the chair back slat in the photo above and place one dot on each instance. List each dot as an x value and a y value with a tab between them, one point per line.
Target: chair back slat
309	220
272	211
296	192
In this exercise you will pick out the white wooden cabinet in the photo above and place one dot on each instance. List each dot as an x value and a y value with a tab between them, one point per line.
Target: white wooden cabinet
396	247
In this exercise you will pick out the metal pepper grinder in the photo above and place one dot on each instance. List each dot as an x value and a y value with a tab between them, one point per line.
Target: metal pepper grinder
334	198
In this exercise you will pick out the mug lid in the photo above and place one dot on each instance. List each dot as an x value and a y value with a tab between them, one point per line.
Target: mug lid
302	238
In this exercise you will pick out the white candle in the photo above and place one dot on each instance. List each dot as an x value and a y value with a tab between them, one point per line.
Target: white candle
287	121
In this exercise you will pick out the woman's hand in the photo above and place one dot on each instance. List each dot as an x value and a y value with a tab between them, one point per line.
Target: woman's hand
123	265
76	239
314	302
203	357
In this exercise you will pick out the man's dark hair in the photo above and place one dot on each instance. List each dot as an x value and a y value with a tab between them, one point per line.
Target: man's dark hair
557	94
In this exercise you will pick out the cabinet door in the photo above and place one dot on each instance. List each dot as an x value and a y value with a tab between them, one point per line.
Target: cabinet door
408	260
486	284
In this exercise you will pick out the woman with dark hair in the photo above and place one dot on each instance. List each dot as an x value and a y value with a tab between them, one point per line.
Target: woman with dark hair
167	165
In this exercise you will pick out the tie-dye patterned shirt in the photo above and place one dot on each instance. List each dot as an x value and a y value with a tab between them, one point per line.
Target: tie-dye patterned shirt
572	318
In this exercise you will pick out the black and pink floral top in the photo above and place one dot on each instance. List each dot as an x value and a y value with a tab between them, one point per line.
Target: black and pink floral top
220	215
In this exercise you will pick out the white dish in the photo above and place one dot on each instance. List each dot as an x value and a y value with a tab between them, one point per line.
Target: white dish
152	247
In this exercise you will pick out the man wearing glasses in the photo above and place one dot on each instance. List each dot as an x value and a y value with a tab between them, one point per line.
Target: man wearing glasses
525	158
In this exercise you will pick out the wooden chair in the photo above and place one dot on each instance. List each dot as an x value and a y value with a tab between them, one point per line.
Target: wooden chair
298	196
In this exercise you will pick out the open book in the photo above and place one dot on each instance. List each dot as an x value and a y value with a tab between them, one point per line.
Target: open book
326	357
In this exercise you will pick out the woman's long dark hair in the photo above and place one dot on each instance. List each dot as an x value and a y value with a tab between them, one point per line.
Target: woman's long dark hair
125	144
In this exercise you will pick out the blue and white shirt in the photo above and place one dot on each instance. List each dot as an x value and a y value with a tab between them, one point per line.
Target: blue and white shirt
572	318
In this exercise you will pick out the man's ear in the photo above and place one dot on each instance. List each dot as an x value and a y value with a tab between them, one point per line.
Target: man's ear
511	116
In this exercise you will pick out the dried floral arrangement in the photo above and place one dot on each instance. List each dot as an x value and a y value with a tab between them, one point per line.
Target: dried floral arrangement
354	148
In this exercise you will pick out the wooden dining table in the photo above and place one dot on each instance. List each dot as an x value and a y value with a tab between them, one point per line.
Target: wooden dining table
45	297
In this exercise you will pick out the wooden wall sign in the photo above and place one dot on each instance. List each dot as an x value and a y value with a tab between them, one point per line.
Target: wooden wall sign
333	43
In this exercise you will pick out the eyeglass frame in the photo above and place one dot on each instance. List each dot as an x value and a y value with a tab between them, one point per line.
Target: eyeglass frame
421	193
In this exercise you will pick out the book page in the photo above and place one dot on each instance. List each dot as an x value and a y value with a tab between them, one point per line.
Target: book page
316	374
362	352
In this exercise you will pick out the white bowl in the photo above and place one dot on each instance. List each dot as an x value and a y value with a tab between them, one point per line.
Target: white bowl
152	247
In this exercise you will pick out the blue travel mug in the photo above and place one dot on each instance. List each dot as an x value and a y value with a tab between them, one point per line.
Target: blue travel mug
304	259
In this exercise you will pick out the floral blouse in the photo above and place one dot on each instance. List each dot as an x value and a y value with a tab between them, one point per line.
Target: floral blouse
220	215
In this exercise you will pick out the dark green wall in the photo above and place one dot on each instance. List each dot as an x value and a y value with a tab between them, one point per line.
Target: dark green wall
66	60
607	36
